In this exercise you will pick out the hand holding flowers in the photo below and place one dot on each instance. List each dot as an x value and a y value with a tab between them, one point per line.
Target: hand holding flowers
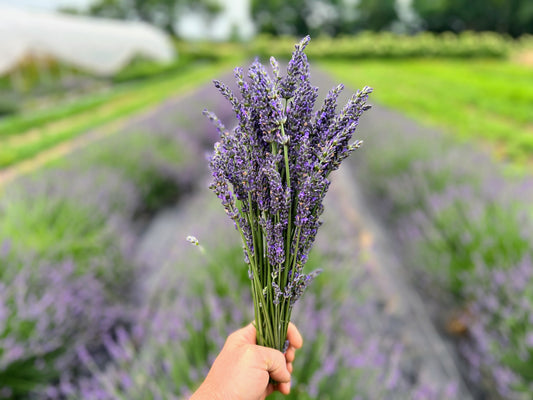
244	370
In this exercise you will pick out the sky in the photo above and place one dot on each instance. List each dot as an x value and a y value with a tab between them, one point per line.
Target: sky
45	4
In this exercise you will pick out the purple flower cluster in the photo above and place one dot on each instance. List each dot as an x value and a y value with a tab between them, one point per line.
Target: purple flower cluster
271	173
45	312
166	353
500	320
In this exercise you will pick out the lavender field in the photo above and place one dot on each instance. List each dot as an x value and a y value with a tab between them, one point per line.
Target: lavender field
426	290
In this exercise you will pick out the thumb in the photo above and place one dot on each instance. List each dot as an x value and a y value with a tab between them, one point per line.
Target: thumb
275	363
246	335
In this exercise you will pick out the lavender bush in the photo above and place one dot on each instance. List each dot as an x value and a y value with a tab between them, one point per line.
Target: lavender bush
159	164
467	229
61	230
500	320
44	215
45	312
271	174
67	238
166	353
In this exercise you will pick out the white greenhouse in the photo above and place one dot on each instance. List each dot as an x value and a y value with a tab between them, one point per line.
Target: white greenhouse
99	46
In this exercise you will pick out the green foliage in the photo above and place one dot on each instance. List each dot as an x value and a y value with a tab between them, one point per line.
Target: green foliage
145	69
109	9
22	376
514	17
8	106
281	17
60	228
390	46
460	237
51	226
331	17
376	15
16	124
146	160
162	13
204	51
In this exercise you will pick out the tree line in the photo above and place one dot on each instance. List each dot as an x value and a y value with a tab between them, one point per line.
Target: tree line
338	17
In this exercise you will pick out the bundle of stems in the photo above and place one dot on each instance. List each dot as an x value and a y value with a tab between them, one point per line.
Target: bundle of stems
271	173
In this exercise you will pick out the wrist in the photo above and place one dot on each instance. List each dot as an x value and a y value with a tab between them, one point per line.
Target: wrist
208	392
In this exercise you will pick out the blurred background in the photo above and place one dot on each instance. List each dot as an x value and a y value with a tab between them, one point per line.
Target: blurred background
103	174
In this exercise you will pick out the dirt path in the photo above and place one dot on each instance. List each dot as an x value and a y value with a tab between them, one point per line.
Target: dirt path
425	350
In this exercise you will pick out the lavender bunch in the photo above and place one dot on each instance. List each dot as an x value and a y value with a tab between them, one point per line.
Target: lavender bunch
271	173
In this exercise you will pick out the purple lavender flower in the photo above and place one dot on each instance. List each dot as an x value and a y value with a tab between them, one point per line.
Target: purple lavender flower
45	312
271	173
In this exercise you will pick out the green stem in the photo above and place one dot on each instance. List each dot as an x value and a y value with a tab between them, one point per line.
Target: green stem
259	283
255	273
289	222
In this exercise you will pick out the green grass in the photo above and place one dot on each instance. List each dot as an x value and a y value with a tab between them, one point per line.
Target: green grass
69	121
52	228
485	100
16	124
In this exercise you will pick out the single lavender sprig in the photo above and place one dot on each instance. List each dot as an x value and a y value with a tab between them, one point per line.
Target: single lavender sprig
271	173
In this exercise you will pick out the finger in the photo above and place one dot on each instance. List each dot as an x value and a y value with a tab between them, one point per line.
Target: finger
284	388
269	390
295	339
275	363
289	367
290	354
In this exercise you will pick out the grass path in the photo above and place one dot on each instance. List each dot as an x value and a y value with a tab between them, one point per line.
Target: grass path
490	102
28	151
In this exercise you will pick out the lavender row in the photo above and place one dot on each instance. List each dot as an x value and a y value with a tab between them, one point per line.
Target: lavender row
58	286
466	228
68	278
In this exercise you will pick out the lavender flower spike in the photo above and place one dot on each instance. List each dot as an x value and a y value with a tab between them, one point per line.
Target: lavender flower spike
271	173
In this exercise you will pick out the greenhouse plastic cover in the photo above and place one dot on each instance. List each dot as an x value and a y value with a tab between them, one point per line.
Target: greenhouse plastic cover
99	46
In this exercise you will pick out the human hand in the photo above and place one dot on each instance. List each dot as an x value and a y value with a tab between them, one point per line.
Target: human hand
242	370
